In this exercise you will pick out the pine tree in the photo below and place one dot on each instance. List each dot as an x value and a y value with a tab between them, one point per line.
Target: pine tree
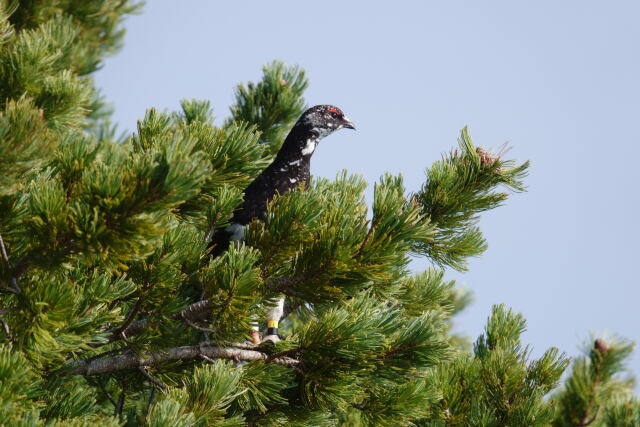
112	311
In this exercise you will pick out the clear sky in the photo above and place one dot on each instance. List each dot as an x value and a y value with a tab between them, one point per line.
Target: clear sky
560	81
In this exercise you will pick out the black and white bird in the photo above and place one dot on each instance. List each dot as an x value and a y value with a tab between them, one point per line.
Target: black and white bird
289	170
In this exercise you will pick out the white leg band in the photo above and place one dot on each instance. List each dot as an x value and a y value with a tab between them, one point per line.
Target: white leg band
275	312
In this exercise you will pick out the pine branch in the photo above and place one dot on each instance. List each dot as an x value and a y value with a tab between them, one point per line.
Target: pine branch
7	288
151	378
202	309
134	329
122	329
152	396
199	328
196	309
207	359
120	405
458	189
284	285
594	383
374	224
131	361
107	394
7	330
601	347
5	257
14	288
290	307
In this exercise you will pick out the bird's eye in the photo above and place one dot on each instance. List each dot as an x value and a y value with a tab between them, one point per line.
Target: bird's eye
334	112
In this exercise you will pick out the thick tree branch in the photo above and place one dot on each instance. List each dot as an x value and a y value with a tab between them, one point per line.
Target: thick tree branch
135	361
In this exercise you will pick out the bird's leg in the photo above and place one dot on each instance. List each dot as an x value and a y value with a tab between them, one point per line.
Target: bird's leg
273	318
255	332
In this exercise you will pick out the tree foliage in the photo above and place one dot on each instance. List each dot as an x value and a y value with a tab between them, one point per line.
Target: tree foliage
112	311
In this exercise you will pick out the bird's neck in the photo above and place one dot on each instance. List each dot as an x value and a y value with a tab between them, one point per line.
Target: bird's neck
300	144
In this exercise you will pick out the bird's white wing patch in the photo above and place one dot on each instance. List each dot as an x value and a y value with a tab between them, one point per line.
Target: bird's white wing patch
237	232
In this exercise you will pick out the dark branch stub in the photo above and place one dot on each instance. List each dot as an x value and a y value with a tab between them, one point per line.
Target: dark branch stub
151	378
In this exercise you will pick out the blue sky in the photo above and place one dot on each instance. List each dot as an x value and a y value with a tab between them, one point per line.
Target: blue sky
559	81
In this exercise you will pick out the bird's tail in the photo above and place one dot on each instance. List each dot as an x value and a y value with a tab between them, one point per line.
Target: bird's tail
219	242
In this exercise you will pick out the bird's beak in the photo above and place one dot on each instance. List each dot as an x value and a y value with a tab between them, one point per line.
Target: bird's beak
346	123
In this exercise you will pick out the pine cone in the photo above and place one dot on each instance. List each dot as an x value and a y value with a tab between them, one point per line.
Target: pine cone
486	158
602	346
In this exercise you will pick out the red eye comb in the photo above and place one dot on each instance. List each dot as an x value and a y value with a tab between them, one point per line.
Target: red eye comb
332	110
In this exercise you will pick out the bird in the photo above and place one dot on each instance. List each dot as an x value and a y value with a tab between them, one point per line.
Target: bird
290	169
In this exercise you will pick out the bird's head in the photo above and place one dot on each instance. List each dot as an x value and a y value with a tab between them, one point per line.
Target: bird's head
324	119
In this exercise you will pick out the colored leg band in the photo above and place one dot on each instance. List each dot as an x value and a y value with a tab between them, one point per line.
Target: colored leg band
272	327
